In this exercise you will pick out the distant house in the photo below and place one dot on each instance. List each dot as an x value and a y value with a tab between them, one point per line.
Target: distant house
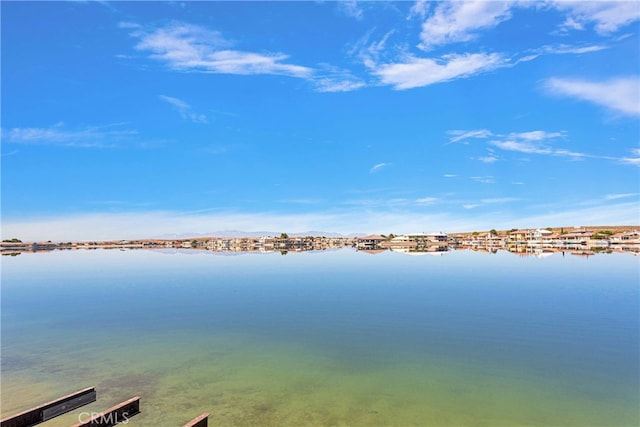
629	237
437	237
577	236
414	237
521	236
369	242
542	234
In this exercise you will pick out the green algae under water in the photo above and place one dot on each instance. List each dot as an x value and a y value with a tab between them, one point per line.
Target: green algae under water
333	338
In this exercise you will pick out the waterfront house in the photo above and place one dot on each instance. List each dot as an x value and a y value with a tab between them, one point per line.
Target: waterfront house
521	236
369	242
542	234
577	236
629	237
437	237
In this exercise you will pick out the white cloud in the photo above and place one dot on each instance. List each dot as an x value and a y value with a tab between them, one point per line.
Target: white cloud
328	85
350	8
184	109
419	9
461	21
537	142
460	135
333	79
495	200
489	201
88	137
488	159
529	147
426	200
620	196
532	142
606	16
635	160
448	175
379	166
618	94
523	147
569	49
484	179
458	21
536	135
191	48
415	72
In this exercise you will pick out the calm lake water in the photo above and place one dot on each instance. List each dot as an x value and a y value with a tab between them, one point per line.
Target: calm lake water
326	338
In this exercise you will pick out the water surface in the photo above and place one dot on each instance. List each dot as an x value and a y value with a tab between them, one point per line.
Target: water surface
326	338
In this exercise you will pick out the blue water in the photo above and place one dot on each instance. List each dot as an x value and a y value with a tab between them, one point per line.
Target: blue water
326	338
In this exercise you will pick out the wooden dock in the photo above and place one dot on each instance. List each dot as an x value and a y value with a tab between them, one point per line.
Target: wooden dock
120	413
199	421
51	409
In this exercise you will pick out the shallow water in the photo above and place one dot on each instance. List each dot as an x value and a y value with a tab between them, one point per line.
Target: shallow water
326	338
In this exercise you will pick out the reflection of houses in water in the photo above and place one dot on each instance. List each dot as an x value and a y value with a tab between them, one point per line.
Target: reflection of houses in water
418	239
422	250
529	242
370	242
373	251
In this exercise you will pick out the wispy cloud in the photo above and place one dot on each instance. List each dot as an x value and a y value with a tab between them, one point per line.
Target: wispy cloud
59	135
619	94
634	160
328	78
184	109
192	48
489	201
571	49
302	201
531	142
484	179
461	135
620	196
459	21
412	72
536	135
538	142
529	147
350	8
378	167
331	85
426	200
419	9
488	159
9	153
499	200
606	16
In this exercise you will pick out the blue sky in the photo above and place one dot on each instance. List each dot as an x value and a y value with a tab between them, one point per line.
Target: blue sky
139	119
